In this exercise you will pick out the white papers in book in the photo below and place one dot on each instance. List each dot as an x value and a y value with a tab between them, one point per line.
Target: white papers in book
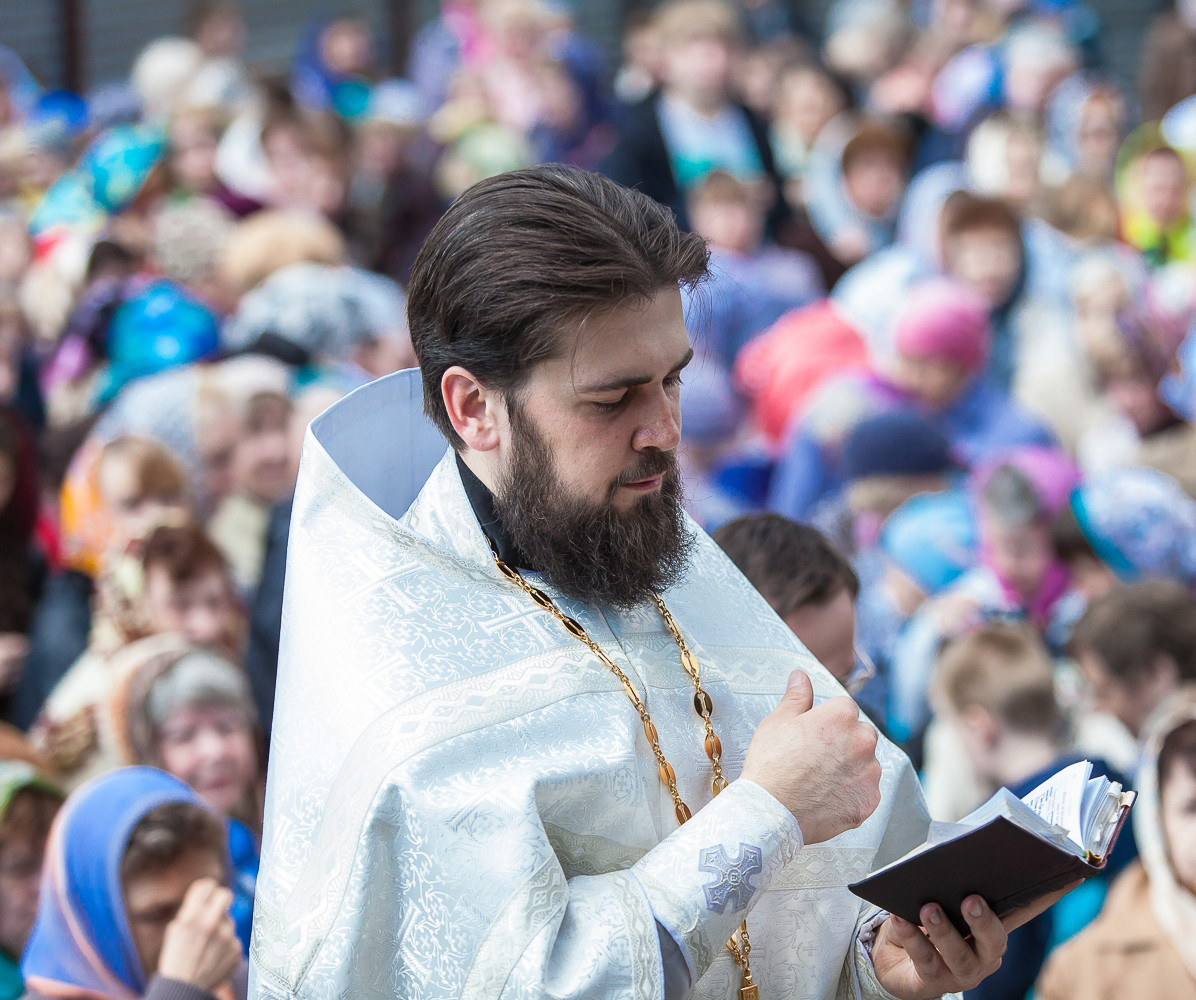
1071	810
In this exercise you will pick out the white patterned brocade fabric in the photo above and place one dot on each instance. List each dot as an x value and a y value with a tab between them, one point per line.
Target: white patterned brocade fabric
463	804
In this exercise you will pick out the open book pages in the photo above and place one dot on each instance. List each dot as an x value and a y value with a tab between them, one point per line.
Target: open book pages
1071	810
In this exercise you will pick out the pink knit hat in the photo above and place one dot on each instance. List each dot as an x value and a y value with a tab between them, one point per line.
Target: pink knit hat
944	321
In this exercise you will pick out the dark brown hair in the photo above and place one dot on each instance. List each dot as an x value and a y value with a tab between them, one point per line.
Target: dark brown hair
184	552
1136	623
519	257
791	564
1004	669
30	815
169	832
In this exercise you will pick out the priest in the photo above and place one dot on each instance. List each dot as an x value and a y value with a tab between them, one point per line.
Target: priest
535	736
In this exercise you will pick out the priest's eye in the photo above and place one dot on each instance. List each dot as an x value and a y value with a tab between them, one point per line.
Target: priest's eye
673	380
611	407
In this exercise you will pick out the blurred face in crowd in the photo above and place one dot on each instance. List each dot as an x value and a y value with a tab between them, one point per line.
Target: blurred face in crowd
222	33
642	48
211	748
385	354
874	184
730	225
1134	395
934	382
806	101
202	608
154	898
1178	808
217	443
828	631
988	260
193	153
1021	555
346	47
1164	186
1023	155
1131	702
134	513
698	70
954	21
21	856
1098	136
261	462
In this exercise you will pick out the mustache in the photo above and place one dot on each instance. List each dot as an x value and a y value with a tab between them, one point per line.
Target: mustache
651	463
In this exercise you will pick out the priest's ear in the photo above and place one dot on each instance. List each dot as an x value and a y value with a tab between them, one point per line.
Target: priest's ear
476	413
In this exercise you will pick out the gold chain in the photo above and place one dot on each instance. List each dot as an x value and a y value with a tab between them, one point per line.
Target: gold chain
741	950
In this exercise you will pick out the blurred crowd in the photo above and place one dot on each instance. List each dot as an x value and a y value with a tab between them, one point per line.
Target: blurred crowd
941	413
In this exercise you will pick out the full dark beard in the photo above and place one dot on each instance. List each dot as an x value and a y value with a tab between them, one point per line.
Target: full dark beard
590	551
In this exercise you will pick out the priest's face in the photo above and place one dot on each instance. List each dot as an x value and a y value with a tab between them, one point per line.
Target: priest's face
589	489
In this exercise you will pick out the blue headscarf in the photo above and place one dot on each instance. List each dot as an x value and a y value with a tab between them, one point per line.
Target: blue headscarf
81	940
160	328
1140	524
108	176
932	538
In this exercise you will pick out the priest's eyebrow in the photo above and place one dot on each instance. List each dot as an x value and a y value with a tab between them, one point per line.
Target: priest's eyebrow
628	381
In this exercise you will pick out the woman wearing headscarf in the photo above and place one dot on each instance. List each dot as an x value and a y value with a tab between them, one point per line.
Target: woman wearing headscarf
1127	525
190	712
134	484
1144	941
941	339
1017	495
133	901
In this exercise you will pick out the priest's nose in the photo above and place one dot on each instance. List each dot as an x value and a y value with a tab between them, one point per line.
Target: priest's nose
661	428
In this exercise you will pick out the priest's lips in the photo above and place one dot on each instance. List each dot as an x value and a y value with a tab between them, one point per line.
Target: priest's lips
646	485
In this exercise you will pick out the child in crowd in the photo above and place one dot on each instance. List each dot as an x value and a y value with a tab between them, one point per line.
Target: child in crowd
807	98
753	283
1135	646
855	183
180	587
924	547
995	692
134	900
940	338
134	484
1155	195
1144	942
693	125
29	800
1017	497
190	712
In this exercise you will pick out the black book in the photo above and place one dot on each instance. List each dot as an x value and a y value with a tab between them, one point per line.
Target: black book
1010	851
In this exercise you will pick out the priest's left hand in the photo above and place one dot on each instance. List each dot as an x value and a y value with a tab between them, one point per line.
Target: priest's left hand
913	963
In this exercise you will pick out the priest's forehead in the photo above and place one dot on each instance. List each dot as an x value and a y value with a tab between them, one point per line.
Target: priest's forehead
637	342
